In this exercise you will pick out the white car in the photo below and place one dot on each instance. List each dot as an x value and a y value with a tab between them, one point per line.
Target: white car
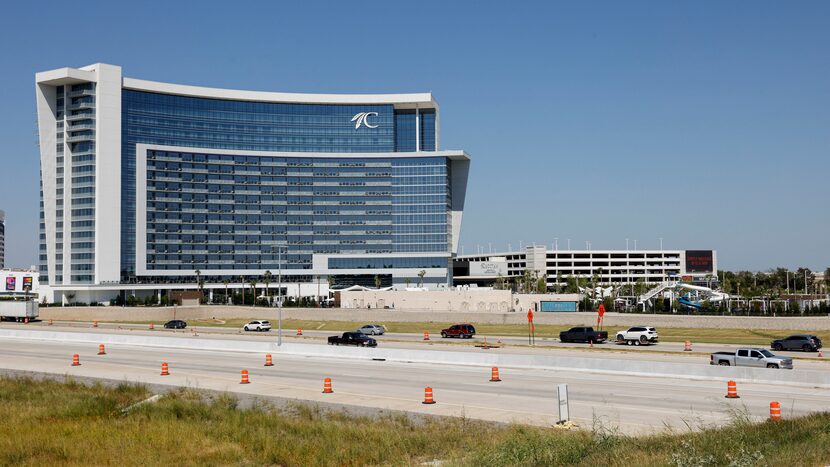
638	335
258	325
372	329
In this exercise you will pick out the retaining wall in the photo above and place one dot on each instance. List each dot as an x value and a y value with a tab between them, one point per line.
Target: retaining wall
594	365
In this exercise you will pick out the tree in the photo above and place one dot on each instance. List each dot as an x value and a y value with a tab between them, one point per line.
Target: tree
252	283
421	277
377	281
226	282
267	279
542	284
499	282
558	282
200	283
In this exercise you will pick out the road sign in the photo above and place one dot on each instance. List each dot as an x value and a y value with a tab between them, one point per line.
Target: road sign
562	393
601	309
529	315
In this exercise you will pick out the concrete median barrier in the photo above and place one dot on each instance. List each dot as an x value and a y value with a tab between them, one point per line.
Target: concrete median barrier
644	368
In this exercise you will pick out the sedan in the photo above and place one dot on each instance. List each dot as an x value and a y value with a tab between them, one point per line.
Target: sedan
175	324
372	329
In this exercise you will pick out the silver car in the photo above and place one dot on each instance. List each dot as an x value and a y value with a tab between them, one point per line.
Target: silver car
372	329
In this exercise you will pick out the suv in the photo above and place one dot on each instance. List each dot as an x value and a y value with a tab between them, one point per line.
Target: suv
258	325
638	335
459	330
805	342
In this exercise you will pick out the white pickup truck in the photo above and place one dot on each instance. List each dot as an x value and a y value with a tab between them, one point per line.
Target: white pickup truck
761	358
18	310
638	335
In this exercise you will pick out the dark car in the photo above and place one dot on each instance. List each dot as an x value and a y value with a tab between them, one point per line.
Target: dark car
175	324
805	342
464	331
583	334
353	338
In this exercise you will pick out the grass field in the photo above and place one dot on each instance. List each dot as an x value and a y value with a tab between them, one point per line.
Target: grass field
69	423
714	336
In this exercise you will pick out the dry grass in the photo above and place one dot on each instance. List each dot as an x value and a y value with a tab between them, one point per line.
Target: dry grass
760	337
67	423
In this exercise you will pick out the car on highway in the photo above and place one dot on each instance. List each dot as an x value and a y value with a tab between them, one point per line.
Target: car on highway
583	334
463	331
175	324
353	338
258	325
761	358
803	342
638	335
372	329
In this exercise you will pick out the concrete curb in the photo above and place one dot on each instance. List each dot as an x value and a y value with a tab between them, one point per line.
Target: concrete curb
810	378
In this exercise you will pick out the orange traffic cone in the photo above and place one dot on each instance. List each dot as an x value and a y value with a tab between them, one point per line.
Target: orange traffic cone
50	322
428	396
687	346
327	386
426	335
732	390
244	377
152	326
299	331
494	375
268	361
164	369
26	320
774	411
819	354
76	360
101	349
95	324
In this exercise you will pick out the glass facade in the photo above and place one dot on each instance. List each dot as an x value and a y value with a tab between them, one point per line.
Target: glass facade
214	211
324	205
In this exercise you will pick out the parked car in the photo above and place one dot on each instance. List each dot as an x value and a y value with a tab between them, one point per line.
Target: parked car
175	324
464	331
372	329
638	335
762	358
353	338
583	334
805	342
258	325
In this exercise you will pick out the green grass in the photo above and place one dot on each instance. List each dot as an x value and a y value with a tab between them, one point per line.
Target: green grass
760	337
68	423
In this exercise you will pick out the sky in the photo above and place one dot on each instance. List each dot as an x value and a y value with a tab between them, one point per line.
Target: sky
706	124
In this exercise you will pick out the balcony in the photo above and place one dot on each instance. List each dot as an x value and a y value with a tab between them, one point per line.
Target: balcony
81	105
82	116
78	138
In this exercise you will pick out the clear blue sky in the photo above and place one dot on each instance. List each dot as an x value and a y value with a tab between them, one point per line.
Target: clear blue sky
705	123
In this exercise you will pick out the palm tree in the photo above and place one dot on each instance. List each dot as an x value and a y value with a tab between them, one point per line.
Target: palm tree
377	281
318	291
253	290
242	279
421	277
226	282
407	281
200	284
267	279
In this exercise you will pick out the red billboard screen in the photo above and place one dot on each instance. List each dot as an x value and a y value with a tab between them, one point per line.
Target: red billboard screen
699	261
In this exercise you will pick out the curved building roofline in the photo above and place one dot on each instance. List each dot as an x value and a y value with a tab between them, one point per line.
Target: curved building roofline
398	100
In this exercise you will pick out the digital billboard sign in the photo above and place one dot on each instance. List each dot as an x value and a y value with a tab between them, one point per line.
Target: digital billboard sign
11	283
27	284
699	261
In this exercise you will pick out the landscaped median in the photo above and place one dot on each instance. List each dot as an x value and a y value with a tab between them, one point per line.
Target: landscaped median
51	422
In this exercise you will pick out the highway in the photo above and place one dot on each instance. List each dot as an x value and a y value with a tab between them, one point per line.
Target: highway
664	351
630	404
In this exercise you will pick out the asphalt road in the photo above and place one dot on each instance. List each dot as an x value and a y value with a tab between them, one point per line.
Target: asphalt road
630	404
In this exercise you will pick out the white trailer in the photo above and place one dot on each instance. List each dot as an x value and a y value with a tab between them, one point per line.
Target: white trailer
18	310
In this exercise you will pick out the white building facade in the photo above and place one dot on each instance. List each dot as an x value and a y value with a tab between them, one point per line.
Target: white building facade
147	185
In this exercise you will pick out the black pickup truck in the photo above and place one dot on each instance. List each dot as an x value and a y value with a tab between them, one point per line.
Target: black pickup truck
583	334
353	338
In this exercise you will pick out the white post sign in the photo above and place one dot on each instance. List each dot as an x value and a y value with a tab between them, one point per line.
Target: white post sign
562	392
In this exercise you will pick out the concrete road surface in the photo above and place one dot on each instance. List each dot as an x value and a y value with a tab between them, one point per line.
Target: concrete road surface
631	404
